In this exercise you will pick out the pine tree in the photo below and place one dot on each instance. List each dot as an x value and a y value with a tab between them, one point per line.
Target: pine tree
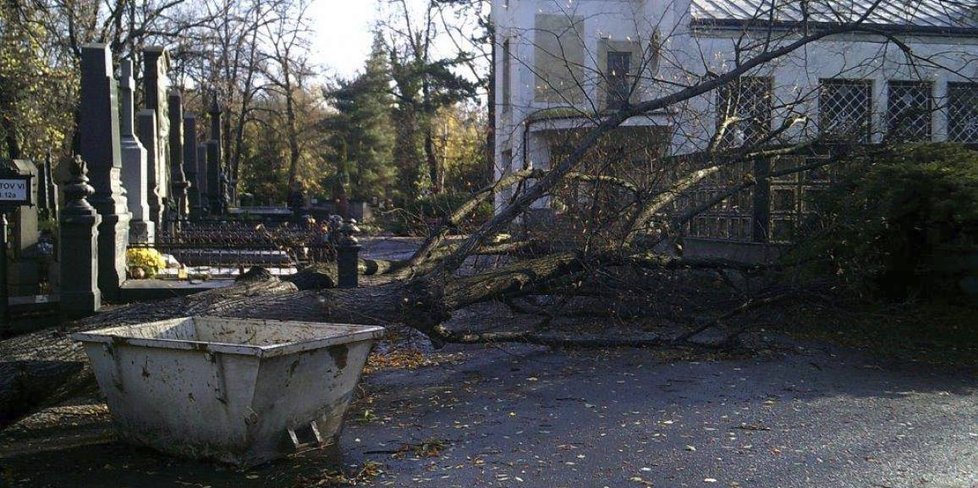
363	133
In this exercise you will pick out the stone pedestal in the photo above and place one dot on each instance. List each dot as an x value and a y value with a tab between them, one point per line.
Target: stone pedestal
98	127
80	295
135	179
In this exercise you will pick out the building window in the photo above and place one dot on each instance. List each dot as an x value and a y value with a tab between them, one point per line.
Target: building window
507	77
962	112
619	86
846	108
744	111
909	108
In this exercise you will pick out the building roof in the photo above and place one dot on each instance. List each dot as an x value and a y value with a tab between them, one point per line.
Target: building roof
940	17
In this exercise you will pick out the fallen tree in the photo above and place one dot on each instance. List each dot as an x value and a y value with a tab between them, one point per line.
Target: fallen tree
425	290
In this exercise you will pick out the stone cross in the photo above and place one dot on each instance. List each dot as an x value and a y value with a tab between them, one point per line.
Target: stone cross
178	182
98	128
135	179
190	164
80	295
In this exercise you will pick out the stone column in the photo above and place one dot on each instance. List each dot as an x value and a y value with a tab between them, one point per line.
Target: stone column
98	127
156	65
215	187
142	229
78	242
190	164
146	129
202	178
178	182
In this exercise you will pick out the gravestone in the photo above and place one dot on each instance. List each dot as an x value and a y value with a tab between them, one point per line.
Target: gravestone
146	129
98	128
80	295
156	65
190	164
215	187
178	182
134	169
201	181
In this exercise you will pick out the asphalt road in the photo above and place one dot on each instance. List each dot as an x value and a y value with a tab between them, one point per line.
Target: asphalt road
809	417
511	417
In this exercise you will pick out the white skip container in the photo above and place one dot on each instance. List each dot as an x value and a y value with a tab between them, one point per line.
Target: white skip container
235	390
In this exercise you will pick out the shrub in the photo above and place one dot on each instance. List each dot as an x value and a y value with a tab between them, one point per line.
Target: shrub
150	260
891	222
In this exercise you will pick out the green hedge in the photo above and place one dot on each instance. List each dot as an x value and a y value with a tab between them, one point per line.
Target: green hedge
902	223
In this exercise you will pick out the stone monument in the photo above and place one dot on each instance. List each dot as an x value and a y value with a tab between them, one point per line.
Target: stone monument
178	181
134	169
98	125
215	187
202	178
190	164
156	65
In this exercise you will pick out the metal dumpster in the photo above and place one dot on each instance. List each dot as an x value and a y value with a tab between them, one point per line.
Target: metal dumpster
238	391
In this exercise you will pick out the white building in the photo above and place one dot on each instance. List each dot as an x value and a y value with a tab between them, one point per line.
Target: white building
903	72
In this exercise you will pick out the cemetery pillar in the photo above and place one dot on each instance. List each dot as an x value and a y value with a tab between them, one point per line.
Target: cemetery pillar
348	256
215	187
190	164
156	64
80	295
24	272
98	125
178	182
134	170
762	200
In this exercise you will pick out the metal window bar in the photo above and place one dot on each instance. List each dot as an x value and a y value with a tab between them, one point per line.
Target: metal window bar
962	112
748	99
909	108
845	110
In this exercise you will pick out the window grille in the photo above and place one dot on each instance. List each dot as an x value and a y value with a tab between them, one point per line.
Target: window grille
747	99
962	112
619	87
910	105
846	108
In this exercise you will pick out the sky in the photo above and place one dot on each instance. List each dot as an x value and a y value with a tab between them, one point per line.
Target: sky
342	33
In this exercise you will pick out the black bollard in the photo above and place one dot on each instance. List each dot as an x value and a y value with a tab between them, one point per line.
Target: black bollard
348	256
